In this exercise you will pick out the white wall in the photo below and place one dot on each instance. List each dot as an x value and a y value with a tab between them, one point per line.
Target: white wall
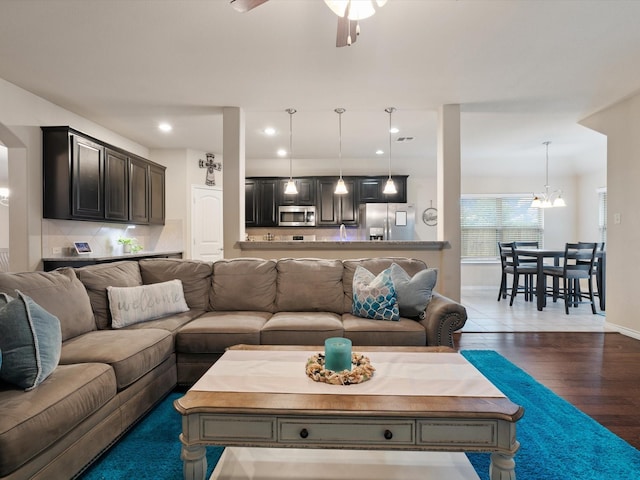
588	186
4	211
621	124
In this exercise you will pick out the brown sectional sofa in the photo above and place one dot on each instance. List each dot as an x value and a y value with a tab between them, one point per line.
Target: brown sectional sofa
107	378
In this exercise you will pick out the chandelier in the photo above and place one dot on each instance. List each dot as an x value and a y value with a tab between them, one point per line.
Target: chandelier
4	196
546	199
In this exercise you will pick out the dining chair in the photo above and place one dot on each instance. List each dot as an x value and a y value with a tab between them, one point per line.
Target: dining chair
598	271
578	264
513	264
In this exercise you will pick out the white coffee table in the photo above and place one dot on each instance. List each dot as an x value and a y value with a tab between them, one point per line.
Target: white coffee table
448	407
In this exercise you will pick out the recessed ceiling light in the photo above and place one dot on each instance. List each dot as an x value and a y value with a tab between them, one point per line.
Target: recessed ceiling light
165	127
394	130
379	152
282	152
269	131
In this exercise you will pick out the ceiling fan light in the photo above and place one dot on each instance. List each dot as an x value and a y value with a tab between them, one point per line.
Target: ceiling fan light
341	188
359	9
290	189
390	187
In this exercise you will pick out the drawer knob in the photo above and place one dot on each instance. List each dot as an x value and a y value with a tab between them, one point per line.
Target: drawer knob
388	434
304	433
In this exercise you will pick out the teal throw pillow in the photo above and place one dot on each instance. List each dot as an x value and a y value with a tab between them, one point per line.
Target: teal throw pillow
30	340
414	293
374	297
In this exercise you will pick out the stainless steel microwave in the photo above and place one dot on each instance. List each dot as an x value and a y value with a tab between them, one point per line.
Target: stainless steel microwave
296	216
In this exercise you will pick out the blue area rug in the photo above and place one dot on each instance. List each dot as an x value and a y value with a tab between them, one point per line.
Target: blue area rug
557	440
150	451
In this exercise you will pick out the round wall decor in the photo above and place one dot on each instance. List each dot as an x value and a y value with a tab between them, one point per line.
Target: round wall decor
430	216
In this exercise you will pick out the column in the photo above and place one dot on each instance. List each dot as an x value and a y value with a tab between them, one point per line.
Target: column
233	172
449	198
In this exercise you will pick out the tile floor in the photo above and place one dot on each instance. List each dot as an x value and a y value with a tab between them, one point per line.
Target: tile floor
486	314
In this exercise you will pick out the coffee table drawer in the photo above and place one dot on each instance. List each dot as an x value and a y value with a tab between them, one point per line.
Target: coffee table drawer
344	432
232	428
457	432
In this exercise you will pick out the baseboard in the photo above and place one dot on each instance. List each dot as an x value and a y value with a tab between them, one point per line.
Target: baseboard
624	330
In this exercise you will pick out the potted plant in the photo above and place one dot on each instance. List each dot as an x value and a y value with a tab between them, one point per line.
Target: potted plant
127	244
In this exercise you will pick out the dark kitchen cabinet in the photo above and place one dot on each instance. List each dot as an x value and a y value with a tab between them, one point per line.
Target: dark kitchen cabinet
138	191
86	179
335	209
370	189
73	175
156	194
261	198
306	195
116	186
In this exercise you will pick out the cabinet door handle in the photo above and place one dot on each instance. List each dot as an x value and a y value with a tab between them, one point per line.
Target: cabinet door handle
304	433
388	434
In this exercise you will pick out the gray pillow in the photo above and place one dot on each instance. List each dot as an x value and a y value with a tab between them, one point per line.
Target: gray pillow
131	305
30	340
414	293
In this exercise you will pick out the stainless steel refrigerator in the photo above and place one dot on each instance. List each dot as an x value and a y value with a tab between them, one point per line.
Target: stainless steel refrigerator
387	221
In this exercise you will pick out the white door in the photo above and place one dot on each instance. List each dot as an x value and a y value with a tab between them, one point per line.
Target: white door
206	224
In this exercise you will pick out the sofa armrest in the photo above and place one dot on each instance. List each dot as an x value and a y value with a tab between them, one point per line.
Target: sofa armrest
443	316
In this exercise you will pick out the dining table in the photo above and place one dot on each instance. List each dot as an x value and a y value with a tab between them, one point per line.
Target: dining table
557	254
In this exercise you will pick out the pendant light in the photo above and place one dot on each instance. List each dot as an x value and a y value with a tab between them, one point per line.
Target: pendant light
546	199
390	187
341	188
290	189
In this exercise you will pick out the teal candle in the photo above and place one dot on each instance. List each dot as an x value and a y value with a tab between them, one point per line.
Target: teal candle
337	354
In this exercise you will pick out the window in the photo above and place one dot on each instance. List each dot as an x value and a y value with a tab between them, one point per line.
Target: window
489	219
602	214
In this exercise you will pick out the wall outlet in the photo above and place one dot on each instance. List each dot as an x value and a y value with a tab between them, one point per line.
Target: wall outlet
617	218
56	250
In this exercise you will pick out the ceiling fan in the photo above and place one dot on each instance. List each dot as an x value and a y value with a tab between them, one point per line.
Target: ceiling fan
348	12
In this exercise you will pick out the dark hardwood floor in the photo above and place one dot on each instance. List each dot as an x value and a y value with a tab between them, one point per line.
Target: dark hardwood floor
597	372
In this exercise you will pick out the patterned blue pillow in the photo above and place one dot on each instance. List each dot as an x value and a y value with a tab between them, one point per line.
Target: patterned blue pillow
30	339
374	297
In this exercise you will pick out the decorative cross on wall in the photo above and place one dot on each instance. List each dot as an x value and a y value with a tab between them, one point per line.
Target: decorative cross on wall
211	167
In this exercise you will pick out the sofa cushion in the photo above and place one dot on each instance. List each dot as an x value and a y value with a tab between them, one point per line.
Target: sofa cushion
363	331
213	332
375	266
413	292
30	339
374	296
32	421
301	328
59	293
244	284
96	278
131	353
195	276
310	285
130	305
170	323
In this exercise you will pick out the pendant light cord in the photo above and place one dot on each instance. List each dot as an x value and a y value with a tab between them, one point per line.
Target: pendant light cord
389	110
340	111
291	111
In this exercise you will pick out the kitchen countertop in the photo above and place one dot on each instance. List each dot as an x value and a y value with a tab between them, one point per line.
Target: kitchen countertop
102	258
346	245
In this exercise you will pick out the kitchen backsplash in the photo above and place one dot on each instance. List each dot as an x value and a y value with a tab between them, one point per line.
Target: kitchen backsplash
58	237
259	234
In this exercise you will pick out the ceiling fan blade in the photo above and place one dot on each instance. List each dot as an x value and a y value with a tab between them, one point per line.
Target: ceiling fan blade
346	28
243	6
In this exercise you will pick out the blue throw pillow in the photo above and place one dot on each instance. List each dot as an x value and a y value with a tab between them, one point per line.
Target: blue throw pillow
374	297
414	293
30	340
